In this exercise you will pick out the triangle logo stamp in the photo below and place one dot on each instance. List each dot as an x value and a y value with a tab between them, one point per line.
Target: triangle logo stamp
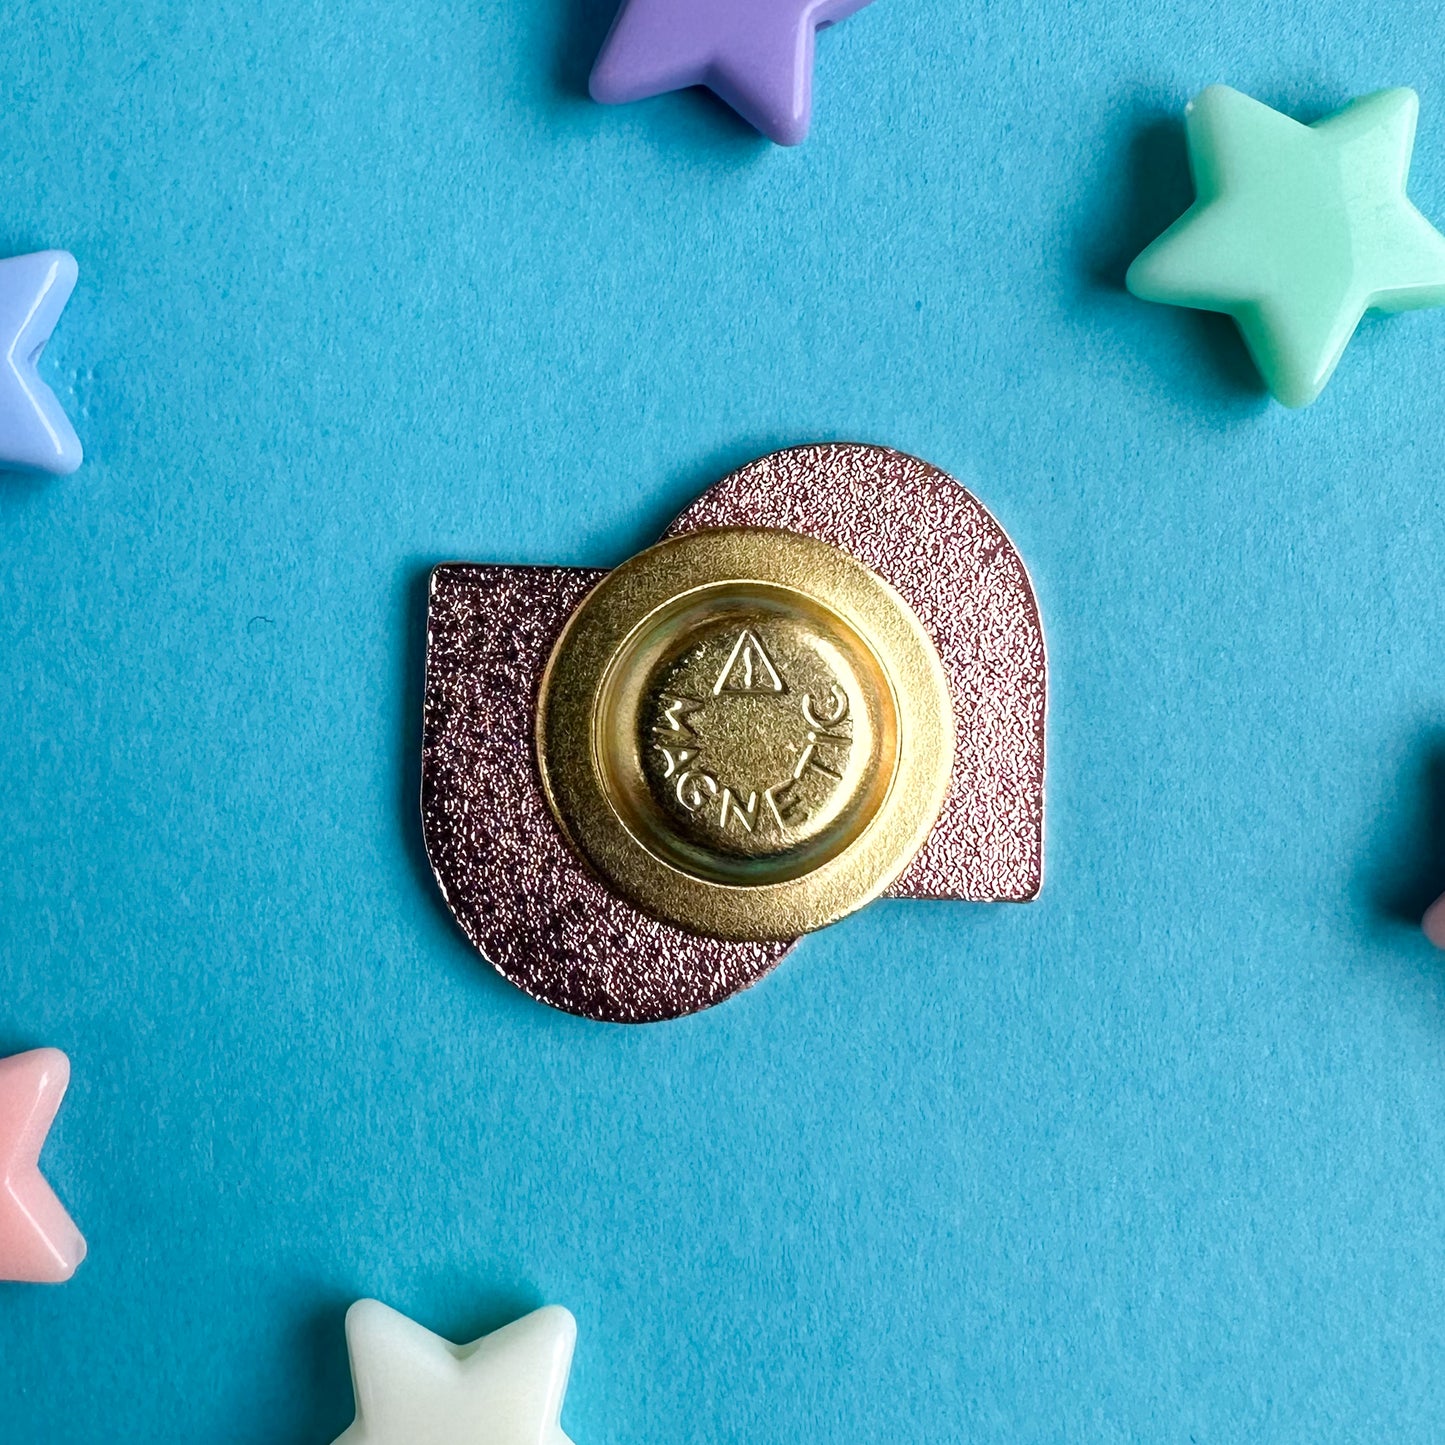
748	668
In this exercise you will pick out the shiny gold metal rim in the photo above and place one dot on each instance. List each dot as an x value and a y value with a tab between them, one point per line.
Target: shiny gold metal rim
818	664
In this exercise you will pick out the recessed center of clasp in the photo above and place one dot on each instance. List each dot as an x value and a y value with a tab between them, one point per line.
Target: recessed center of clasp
759	733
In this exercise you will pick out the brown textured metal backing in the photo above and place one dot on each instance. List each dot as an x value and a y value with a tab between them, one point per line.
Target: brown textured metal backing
518	891
522	896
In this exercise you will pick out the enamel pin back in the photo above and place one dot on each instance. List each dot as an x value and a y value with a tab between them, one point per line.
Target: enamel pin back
826	684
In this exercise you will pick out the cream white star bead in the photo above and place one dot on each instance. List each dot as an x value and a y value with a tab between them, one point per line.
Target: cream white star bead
415	1388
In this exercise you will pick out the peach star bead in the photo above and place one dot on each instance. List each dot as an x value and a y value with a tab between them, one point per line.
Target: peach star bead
39	1243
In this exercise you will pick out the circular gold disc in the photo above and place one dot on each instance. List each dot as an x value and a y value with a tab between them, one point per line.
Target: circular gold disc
746	732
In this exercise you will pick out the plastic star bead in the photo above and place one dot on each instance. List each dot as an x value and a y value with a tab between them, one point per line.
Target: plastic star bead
39	1243
756	55
415	1388
1434	922
1297	231
35	433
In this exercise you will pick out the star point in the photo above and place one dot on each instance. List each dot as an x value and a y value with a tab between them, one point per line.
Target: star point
415	1388
756	55
35	433
39	1243
1297	231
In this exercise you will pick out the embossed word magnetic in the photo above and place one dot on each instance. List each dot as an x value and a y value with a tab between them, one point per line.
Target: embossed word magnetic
826	683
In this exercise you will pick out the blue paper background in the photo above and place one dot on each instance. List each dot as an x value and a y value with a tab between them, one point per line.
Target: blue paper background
367	286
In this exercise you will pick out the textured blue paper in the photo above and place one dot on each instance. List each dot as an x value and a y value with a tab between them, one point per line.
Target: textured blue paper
367	286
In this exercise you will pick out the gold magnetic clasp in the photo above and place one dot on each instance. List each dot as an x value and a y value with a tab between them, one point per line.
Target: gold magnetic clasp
746	731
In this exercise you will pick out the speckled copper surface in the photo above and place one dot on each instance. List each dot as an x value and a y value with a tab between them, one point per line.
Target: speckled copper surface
508	875
920	530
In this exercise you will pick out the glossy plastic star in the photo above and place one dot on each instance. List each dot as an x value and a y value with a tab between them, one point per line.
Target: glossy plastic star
415	1388
1297	231
38	1242
757	55
1434	923
35	433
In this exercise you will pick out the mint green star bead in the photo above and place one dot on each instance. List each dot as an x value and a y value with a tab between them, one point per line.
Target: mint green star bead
1297	231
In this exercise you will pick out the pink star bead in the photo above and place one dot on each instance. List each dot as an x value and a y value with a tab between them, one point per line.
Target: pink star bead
1434	922
39	1243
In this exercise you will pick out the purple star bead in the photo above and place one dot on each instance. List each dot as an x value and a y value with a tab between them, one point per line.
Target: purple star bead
757	55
